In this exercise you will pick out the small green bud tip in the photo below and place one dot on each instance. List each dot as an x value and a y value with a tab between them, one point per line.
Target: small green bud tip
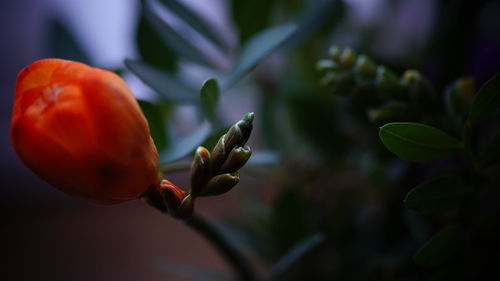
220	184
325	65
248	117
347	58
334	53
411	76
365	67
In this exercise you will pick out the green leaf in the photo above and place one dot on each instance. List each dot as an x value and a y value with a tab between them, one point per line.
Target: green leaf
418	142
167	86
441	247
186	144
491	153
258	47
209	97
194	20
151	46
438	195
156	122
487	100
171	37
295	254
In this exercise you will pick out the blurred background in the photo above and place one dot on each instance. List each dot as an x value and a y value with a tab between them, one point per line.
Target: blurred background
321	183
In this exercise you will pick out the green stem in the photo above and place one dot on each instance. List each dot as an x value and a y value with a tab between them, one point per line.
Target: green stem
230	253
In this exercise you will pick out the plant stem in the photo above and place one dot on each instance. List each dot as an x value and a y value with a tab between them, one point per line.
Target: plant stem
228	251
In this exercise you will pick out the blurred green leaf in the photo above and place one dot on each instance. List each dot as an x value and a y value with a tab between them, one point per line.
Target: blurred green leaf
156	121
441	247
167	86
197	22
209	97
172	38
244	16
298	251
418	142
487	100
62	44
151	47
258	47
491	153
186	144
288	219
438	195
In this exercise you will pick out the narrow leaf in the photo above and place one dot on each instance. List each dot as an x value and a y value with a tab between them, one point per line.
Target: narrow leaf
487	100
185	145
418	142
295	254
62	43
441	247
167	86
258	47
156	122
209	97
171	37
437	195
491	154
194	20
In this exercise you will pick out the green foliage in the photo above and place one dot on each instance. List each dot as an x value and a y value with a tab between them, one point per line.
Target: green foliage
62	44
486	101
438	195
418	142
157	124
209	98
185	145
257	48
441	247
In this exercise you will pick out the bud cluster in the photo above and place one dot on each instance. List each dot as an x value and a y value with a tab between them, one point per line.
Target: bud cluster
384	95
211	174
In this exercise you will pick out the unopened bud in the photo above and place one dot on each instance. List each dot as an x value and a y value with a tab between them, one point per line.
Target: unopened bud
200	170
220	184
172	196
389	112
421	92
326	65
186	208
365	68
239	133
388	85
347	59
459	98
236	159
334	53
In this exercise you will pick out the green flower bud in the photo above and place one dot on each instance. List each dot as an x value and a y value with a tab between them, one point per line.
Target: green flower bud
347	59
236	159
200	170
218	156
334	53
421	93
458	98
239	133
365	68
388	85
186	208
326	65
328	78
389	112
220	184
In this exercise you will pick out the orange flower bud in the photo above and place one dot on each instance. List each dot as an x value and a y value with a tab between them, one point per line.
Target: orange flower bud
80	129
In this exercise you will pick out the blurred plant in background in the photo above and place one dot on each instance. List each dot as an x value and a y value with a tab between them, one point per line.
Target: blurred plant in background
343	206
